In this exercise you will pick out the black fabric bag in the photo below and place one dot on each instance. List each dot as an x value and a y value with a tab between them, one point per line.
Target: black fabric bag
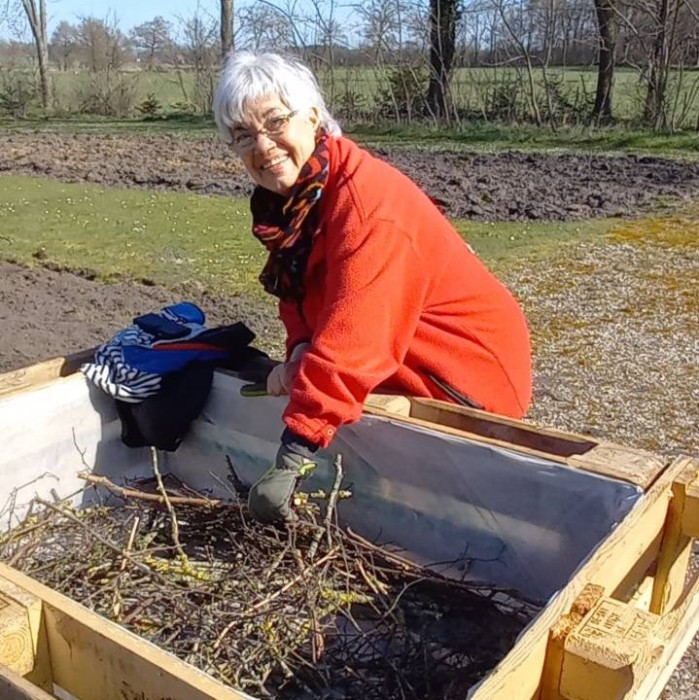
163	420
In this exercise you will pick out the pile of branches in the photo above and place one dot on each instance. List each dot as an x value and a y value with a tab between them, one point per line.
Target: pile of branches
308	610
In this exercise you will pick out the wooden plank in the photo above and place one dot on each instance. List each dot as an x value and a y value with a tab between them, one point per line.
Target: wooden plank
608	654
690	516
638	467
37	670
14	687
520	675
676	547
619	651
95	659
500	428
400	405
447	430
676	631
551	677
16	649
43	372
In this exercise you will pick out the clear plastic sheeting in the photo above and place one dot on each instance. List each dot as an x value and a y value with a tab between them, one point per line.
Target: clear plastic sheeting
469	509
477	511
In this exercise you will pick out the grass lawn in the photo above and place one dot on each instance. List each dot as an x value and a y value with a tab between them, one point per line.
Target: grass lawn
173	239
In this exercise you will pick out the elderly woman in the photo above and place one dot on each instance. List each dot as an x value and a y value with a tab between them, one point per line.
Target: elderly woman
377	291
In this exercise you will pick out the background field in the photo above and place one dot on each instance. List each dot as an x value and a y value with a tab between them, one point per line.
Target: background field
360	93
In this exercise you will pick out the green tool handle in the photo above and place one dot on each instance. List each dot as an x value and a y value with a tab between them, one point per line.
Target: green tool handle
252	390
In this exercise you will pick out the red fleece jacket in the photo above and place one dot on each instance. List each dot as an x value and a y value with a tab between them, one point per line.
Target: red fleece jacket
394	295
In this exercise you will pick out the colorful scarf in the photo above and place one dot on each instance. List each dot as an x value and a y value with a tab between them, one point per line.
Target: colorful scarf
286	226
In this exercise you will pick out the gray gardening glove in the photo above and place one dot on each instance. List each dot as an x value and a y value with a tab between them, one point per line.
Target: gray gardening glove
270	498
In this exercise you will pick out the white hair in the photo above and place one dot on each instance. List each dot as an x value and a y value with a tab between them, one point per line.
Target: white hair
247	76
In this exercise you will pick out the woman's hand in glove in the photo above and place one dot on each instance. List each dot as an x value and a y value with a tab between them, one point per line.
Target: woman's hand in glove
270	498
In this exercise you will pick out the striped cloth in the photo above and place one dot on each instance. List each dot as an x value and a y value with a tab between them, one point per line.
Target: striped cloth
130	367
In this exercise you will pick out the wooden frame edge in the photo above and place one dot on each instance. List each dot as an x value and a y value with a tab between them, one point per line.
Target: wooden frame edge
96	659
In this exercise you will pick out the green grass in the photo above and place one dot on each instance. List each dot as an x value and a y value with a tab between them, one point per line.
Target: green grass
205	241
168	239
498	137
501	243
185	126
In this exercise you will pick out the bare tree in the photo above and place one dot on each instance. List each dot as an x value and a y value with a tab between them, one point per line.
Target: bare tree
514	26
152	39
607	11
201	50
379	27
103	45
443	18
657	33
36	16
654	111
226	26
261	26
64	41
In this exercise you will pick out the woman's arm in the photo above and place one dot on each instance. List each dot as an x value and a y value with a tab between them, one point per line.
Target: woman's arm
375	292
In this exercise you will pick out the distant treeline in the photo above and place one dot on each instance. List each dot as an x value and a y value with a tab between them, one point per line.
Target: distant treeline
417	47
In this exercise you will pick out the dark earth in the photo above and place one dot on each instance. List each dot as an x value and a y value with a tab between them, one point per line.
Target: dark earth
507	186
47	312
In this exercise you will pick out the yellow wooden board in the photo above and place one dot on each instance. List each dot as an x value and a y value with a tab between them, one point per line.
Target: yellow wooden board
95	659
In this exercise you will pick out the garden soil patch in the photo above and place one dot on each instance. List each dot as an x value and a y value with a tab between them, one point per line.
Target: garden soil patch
509	186
614	323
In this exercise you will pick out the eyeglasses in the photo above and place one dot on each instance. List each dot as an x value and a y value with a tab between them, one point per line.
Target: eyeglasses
244	139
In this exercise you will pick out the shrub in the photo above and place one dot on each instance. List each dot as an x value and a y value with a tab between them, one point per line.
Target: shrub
17	92
108	93
404	95
351	105
150	107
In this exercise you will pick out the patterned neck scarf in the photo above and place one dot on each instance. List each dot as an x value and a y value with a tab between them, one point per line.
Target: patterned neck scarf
287	226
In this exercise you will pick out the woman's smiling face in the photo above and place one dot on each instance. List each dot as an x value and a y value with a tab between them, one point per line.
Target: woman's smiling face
275	142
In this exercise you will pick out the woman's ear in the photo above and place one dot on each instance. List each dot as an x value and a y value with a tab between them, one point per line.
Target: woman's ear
314	117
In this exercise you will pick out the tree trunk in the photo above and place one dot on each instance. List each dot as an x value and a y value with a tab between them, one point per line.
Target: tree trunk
654	109
36	17
226	26
442	47
607	28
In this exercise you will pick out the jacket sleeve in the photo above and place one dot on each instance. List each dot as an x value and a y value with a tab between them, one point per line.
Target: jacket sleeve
374	295
297	330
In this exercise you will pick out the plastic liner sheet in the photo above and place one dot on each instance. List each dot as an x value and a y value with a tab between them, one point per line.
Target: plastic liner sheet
471	510
477	511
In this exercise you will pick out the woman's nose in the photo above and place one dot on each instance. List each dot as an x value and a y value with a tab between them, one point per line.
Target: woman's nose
263	145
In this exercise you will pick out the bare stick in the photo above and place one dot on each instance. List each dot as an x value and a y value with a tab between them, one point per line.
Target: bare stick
116	607
273	596
175	528
144	496
295	580
332	500
104	541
